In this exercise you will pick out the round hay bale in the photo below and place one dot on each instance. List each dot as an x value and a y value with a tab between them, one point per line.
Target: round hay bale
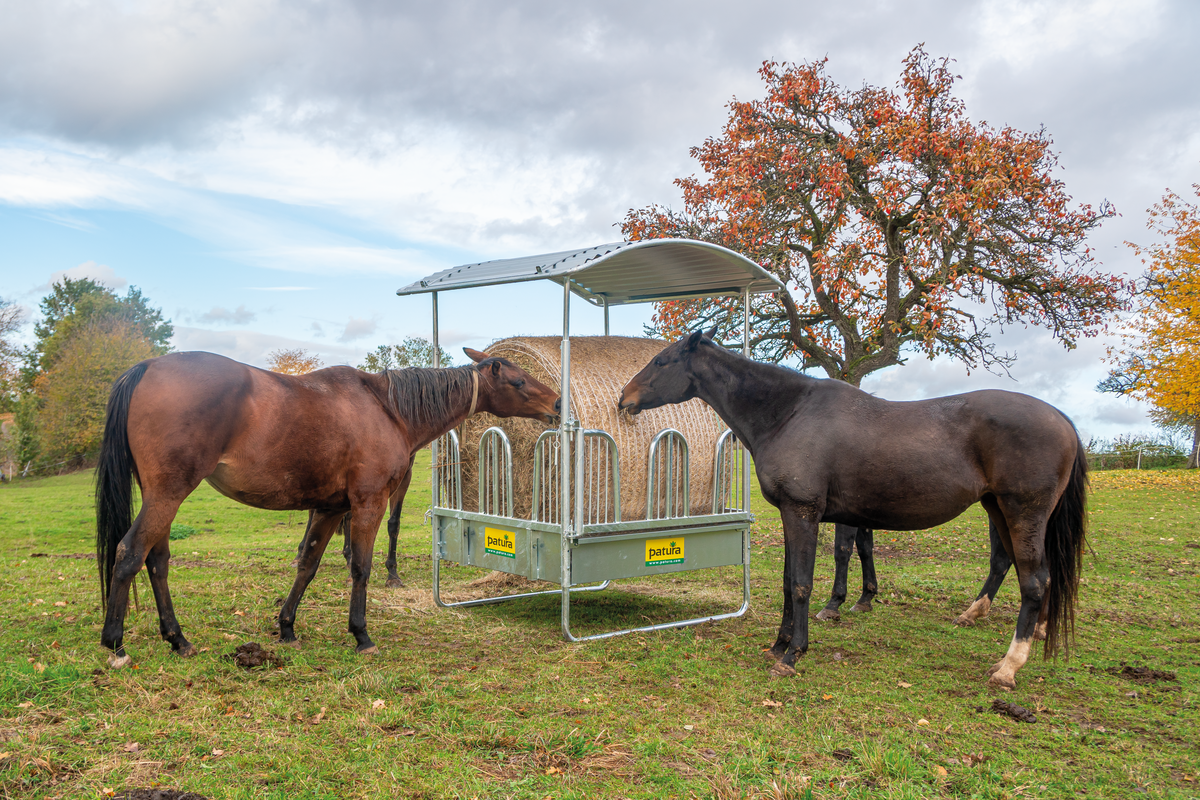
600	368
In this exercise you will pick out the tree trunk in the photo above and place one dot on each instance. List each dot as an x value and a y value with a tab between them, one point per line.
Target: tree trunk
1194	458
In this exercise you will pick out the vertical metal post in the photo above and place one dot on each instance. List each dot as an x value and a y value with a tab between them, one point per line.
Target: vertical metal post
433	456
606	316
565	425
746	461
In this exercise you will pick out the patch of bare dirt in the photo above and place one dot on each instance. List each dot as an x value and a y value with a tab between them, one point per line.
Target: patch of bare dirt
252	654
1142	675
495	583
92	556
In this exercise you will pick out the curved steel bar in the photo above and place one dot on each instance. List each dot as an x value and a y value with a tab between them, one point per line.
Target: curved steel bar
613	485
671	500
495	471
447	473
544	474
727	482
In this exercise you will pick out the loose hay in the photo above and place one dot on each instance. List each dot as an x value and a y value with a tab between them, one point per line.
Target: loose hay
600	367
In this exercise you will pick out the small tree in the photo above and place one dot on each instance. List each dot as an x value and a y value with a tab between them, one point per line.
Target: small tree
73	393
1159	359
10	323
414	351
895	223
293	362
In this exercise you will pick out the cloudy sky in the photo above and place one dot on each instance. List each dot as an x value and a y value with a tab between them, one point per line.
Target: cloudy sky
269	173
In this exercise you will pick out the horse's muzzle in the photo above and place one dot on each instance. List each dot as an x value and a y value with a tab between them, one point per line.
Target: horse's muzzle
631	407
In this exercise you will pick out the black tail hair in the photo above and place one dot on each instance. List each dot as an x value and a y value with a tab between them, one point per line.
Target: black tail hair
114	477
1065	542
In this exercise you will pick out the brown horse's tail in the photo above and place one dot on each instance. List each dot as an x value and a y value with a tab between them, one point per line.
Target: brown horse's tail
1065	534
114	477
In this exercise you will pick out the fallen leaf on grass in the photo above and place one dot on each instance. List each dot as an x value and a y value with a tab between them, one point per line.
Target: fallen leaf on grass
553	771
320	716
826	697
772	703
26	704
132	747
903	685
941	771
922	721
60	603
378	704
218	752
843	754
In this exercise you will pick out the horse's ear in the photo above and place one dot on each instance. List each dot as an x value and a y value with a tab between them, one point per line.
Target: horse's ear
693	340
475	355
710	333
496	367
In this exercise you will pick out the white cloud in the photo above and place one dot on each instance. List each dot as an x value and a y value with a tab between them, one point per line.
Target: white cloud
100	273
253	347
239	316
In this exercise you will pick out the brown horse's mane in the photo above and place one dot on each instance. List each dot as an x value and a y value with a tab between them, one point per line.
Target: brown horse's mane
424	396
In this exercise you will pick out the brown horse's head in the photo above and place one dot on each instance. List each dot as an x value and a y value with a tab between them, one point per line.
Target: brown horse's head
666	379
506	390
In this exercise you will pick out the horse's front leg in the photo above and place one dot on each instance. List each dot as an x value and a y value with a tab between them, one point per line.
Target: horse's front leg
321	525
393	526
800	540
364	525
843	546
865	540
784	637
1000	562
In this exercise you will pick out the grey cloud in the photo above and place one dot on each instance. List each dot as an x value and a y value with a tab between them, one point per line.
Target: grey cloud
357	329
240	316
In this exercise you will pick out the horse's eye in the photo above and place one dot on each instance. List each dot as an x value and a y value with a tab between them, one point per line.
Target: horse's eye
520	382
658	362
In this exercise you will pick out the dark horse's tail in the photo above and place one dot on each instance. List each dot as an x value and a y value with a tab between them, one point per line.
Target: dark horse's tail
114	477
1065	533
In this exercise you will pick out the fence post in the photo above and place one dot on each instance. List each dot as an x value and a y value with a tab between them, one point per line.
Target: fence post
1139	466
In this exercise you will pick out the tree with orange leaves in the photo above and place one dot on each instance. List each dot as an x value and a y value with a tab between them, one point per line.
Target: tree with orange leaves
897	225
293	362
1159	360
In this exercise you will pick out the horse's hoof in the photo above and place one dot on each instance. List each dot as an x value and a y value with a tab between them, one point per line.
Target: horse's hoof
119	662
963	621
999	681
781	670
292	643
187	651
394	583
827	613
859	608
369	650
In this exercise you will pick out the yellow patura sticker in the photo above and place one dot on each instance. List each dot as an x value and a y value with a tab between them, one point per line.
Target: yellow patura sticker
499	542
664	551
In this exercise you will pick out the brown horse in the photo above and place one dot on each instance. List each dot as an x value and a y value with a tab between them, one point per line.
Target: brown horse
335	441
826	451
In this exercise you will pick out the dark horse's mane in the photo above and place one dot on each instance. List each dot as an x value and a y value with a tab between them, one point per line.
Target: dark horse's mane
422	396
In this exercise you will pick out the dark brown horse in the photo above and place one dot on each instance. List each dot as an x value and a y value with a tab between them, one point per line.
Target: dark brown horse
827	451
335	441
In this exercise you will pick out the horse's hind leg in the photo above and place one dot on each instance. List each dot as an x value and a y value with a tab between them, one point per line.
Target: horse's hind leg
999	564
316	538
151	526
1033	574
865	540
843	547
157	563
784	637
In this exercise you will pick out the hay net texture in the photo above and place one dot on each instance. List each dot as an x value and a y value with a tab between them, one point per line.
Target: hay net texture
600	368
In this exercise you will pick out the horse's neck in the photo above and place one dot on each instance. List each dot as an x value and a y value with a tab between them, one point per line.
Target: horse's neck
454	411
753	399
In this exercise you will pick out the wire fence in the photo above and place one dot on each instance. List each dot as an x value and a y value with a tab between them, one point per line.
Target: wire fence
1135	459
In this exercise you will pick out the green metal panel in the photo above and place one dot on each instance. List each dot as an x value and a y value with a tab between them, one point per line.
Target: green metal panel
630	556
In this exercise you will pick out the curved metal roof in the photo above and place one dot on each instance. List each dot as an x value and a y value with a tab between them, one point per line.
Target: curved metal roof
619	273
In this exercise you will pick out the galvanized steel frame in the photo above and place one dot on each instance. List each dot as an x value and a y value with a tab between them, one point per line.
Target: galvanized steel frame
575	532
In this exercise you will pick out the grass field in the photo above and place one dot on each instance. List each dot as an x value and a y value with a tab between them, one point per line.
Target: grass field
491	703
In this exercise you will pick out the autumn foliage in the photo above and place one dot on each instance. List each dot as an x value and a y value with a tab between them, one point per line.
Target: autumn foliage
896	223
1159	360
297	361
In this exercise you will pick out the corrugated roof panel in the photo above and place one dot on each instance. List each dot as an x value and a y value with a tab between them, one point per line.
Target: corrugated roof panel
620	272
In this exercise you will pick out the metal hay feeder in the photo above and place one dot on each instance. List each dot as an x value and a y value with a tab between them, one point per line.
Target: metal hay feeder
575	534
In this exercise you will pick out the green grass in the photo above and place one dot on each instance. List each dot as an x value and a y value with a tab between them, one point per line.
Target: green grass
491	703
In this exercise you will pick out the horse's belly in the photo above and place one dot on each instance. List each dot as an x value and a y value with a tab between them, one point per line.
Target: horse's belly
916	513
249	487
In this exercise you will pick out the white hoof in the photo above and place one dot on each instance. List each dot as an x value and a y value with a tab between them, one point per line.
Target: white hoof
119	662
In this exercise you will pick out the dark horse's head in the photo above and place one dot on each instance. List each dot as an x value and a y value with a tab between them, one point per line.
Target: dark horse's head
667	378
506	390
